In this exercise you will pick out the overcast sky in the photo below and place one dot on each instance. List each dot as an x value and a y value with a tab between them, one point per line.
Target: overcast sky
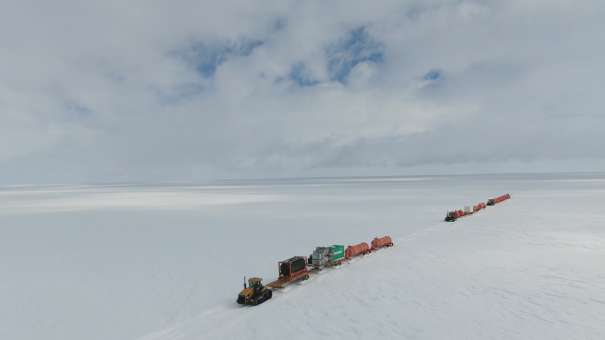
193	90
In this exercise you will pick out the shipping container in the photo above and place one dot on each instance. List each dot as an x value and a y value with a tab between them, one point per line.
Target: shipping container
292	266
290	270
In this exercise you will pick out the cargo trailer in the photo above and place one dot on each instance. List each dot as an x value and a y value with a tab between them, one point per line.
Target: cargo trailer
327	256
291	270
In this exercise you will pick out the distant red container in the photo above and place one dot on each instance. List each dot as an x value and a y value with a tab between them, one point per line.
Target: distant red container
356	250
498	199
381	242
478	206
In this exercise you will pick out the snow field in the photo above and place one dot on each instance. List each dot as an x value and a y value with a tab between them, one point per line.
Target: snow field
166	262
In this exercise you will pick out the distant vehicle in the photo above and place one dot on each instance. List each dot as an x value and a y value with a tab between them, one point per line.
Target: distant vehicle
452	216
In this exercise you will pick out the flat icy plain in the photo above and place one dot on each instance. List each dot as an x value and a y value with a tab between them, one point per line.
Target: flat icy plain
166	262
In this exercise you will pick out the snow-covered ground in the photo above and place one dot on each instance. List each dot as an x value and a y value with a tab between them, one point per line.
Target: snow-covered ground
166	262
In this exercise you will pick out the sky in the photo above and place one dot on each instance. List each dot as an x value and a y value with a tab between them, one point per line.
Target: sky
185	91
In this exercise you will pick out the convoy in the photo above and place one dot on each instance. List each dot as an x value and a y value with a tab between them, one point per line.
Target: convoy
299	268
453	215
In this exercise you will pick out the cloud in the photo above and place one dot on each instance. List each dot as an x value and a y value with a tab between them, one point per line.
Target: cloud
184	91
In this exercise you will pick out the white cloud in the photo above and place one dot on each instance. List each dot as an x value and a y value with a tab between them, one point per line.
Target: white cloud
99	92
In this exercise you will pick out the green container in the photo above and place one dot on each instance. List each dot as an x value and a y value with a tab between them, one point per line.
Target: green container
337	253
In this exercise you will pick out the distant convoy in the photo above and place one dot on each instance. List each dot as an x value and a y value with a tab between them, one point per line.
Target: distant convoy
453	215
300	268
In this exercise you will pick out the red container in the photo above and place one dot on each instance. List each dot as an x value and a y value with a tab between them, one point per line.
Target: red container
381	242
498	199
479	206
356	250
501	198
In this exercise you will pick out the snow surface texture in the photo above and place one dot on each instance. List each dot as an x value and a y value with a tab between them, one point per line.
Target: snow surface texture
166	263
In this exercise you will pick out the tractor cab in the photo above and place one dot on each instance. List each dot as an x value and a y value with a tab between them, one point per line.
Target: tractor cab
451	216
255	293
255	283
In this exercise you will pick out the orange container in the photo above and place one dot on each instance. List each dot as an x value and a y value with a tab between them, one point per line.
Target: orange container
356	250
380	242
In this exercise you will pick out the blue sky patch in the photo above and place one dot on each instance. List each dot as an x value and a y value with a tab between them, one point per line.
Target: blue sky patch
302	76
206	58
179	93
77	111
279	24
433	75
357	47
